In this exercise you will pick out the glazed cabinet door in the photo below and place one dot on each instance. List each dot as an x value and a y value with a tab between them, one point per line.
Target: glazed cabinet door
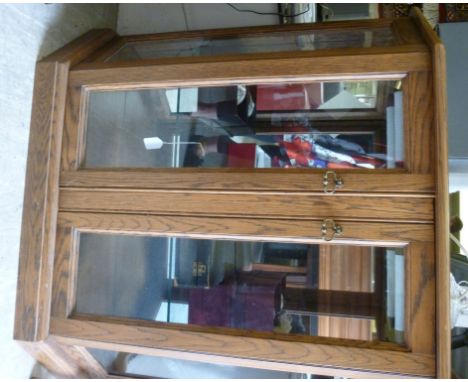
323	136
318	295
324	121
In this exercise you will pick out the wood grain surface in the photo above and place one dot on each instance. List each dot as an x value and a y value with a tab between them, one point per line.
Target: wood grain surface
290	353
420	297
386	208
40	203
253	180
80	48
418	115
74	128
226	360
288	230
346	268
242	70
42	185
442	205
332	62
266	205
64	361
85	361
65	269
360	344
406	32
51	356
107	51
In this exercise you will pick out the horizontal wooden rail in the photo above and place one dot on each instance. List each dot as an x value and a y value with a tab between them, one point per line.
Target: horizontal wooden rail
259	180
247	352
258	68
307	231
256	205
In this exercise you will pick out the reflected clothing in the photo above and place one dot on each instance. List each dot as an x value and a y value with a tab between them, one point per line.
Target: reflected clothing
302	150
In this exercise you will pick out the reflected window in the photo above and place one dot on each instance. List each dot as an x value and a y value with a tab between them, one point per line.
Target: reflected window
301	290
334	125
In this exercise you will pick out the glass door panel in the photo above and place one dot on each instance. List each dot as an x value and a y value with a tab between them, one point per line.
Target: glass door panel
332	125
299	290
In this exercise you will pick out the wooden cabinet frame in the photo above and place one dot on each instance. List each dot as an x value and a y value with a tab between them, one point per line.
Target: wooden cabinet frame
61	199
416	238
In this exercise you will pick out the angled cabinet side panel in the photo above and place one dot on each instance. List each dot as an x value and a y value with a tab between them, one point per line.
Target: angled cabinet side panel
40	202
42	184
441	201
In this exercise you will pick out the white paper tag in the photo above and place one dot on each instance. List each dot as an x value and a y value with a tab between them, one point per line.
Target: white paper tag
153	143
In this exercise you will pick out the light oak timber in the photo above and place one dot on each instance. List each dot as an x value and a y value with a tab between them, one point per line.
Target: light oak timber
380	181
418	52
442	194
85	361
287	230
347	268
40	203
51	356
70	224
64	361
292	354
375	345
420	297
74	129
259	205
276	67
418	116
42	182
377	214
442	216
65	270
223	360
406	32
107	51
79	49
418	294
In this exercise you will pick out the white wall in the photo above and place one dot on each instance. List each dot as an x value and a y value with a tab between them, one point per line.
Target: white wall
454	36
156	18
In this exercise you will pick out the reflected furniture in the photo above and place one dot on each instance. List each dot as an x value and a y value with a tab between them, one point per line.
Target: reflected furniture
268	198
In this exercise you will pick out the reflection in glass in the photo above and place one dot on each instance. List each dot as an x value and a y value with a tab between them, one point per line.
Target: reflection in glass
335	125
351	292
131	364
272	42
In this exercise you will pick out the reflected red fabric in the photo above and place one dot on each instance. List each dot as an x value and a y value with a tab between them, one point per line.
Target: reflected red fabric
248	300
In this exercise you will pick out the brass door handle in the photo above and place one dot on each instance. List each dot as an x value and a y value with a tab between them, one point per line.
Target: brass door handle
329	178
335	229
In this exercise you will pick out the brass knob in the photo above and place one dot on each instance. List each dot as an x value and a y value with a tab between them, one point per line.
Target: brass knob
331	179
330	229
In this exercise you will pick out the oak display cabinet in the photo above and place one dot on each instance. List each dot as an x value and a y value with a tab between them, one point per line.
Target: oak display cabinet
266	198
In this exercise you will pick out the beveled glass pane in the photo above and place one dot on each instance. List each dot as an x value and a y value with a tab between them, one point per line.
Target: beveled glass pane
340	291
336	125
271	42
